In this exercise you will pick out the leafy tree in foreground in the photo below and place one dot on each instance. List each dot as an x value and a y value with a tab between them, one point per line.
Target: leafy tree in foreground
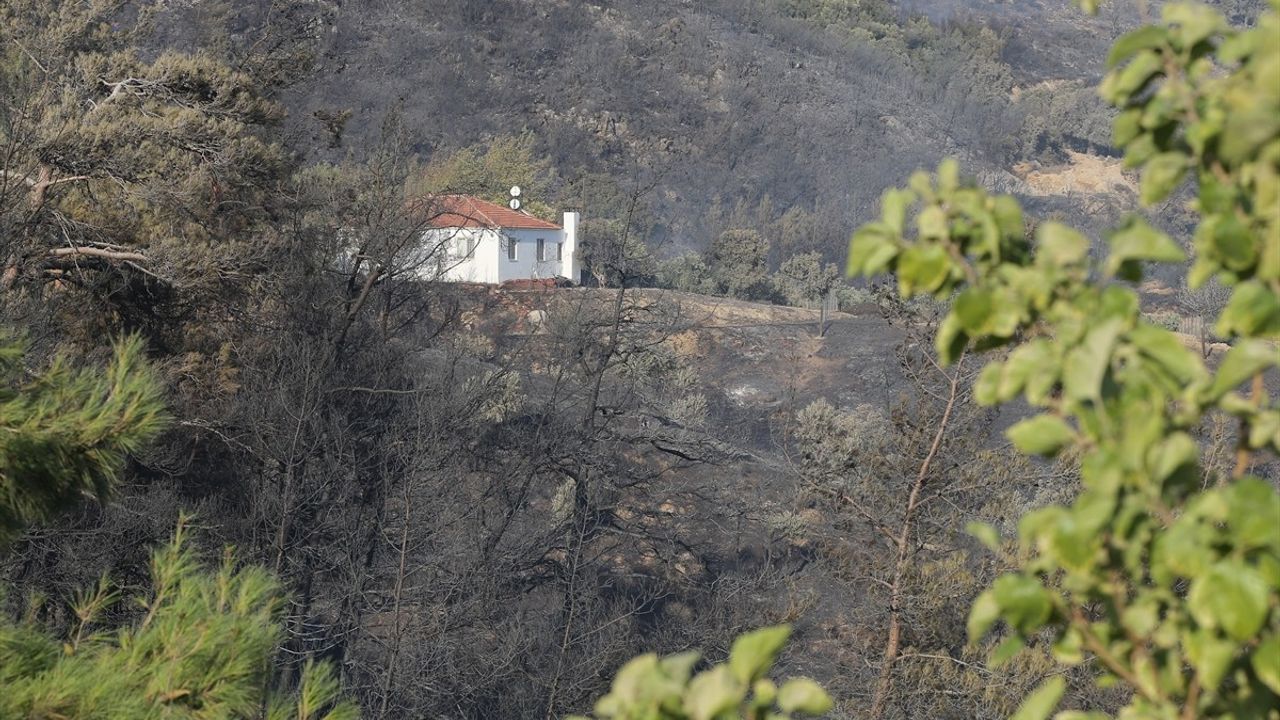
653	688
1167	578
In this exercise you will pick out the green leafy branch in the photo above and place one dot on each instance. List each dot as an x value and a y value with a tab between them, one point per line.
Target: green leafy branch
1170	583
653	688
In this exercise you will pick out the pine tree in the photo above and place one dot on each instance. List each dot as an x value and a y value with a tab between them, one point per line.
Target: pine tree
119	160
202	648
203	642
65	434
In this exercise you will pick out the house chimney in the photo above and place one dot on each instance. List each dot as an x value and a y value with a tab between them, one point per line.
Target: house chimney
568	266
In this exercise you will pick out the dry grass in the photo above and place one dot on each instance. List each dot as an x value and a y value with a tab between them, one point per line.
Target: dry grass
1083	174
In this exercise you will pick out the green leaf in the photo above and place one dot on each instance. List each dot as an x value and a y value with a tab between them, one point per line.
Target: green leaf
1215	196
1126	127
802	695
1141	618
1247	131
988	383
985	534
1195	22
1041	435
948	175
871	250
1005	651
1140	149
1246	359
893	208
680	666
1069	648
1131	43
1231	596
1008	215
922	268
1036	525
1253	310
1163	347
1210	656
973	307
1031	360
1175	452
1233	243
1042	701
1061	245
951	340
1184	550
1119	85
932	223
713	692
755	652
1086	364
634	680
1073	543
1238	46
982	615
1253	507
1024	603
1139	241
1161	175
1266	662
763	693
922	184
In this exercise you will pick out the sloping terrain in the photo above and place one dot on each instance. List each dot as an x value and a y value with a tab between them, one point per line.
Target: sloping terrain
723	101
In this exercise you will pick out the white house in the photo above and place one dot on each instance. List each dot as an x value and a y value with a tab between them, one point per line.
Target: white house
483	242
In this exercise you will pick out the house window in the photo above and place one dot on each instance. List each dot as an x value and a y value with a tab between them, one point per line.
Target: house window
511	249
560	252
542	250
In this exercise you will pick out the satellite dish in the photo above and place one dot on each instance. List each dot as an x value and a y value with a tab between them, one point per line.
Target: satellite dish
515	204
515	191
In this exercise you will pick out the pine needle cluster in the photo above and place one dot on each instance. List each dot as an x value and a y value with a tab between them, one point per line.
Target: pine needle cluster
201	648
66	432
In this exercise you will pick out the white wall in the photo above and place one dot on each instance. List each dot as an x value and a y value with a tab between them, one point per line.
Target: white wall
478	266
489	262
569	268
526	264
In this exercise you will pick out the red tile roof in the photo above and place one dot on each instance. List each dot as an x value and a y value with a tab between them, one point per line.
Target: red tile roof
451	211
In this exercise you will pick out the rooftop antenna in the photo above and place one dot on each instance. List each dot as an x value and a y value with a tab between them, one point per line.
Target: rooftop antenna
515	197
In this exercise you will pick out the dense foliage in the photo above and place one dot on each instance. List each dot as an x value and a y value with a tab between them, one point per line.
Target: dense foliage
204	647
65	433
204	643
1167	577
